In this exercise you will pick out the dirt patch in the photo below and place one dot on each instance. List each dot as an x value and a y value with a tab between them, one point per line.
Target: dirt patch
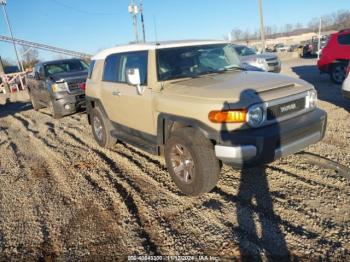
62	197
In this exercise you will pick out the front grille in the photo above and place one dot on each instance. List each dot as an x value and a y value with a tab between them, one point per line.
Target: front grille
74	86
270	59
284	109
273	64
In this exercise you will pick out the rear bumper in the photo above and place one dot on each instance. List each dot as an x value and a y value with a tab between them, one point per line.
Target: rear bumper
69	104
264	145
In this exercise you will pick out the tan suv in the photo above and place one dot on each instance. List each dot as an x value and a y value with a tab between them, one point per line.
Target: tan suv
192	103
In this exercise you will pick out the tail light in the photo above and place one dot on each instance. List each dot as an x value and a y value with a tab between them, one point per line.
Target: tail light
82	86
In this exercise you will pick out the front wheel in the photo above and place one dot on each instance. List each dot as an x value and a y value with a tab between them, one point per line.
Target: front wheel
100	127
35	104
191	162
338	73
53	111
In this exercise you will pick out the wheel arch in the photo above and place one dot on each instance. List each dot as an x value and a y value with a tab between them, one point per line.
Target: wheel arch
167	124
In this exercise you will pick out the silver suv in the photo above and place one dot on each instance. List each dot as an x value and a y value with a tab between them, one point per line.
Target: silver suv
250	58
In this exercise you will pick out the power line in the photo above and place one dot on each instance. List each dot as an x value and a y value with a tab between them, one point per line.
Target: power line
81	10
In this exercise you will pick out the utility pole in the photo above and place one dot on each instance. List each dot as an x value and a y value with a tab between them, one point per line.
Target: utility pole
143	22
319	39
262	27
3	3
134	10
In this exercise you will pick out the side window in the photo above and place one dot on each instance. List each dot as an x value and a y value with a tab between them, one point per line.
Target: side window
133	60
111	68
91	68
344	39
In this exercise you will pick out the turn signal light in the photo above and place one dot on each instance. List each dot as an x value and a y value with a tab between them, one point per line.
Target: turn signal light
231	116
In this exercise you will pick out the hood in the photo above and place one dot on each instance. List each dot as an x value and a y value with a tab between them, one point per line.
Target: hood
70	76
238	86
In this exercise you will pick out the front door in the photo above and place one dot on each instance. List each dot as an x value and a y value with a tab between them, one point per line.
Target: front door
131	112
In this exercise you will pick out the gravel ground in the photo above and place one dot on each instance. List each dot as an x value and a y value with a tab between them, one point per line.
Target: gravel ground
64	198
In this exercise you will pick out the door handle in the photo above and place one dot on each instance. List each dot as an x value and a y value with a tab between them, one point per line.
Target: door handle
116	93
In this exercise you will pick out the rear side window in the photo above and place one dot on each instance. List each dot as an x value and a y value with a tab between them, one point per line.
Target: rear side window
91	68
111	68
117	65
344	39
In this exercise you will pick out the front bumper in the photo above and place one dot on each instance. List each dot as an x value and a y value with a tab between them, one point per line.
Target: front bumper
69	103
264	145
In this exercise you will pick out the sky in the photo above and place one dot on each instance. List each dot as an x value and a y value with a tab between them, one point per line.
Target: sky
89	26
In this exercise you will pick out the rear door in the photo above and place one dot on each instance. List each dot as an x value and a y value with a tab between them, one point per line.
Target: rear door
129	110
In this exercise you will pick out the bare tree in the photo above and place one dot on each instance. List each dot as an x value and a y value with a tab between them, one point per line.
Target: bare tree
298	26
30	56
236	34
288	28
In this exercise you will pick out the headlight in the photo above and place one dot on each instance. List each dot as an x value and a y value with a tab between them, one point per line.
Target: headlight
59	87
256	115
311	99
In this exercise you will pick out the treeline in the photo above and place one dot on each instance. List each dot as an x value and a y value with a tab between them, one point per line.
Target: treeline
335	21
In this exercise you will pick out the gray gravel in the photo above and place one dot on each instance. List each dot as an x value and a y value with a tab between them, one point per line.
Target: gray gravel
64	198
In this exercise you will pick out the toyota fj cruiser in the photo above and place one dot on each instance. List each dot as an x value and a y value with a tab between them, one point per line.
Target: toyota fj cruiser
192	103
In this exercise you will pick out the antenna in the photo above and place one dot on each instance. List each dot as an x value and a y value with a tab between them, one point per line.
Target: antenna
133	10
142	21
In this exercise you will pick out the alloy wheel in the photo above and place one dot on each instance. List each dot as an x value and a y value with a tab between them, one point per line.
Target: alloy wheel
182	163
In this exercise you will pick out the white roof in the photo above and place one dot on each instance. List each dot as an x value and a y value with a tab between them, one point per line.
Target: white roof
152	46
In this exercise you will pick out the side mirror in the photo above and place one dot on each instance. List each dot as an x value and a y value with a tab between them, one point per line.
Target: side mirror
133	78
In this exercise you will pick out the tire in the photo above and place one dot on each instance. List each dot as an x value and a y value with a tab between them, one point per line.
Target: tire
338	73
198	160
53	111
101	127
35	104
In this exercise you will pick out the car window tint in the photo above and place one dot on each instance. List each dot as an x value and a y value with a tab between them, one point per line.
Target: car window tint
131	61
110	73
344	39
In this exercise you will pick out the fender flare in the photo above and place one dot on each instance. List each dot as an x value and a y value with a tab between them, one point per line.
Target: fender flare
166	122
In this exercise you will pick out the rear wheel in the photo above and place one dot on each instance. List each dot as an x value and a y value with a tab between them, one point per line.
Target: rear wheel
338	73
101	128
191	162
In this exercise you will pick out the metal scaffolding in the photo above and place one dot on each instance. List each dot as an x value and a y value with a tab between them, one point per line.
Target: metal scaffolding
45	47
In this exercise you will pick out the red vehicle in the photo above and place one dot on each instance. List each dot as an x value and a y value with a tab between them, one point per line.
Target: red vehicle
336	56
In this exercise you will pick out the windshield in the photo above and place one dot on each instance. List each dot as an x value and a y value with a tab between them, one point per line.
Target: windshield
192	61
244	51
65	67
